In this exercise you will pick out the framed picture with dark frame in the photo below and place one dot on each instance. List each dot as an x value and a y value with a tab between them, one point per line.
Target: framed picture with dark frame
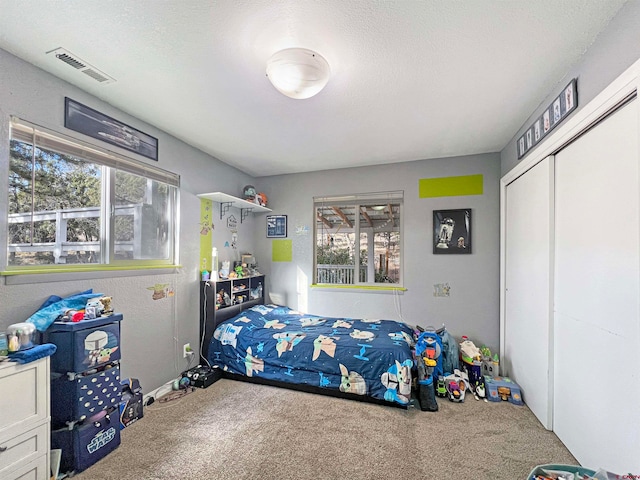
276	226
553	115
452	231
97	125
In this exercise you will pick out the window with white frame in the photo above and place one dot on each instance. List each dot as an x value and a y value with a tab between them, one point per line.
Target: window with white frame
358	239
72	203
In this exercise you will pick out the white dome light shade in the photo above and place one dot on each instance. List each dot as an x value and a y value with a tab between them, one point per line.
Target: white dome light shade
298	73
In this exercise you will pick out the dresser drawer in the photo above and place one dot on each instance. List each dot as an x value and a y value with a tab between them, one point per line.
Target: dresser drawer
37	469
24	401
23	449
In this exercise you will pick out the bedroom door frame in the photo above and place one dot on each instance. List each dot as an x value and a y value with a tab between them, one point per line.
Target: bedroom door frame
624	86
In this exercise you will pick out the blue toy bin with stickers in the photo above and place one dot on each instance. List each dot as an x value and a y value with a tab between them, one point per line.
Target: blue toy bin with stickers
85	344
84	395
85	444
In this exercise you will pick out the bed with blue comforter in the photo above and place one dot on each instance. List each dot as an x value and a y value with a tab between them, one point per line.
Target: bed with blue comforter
363	357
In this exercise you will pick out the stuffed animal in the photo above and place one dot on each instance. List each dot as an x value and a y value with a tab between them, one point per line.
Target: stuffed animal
107	304
97	304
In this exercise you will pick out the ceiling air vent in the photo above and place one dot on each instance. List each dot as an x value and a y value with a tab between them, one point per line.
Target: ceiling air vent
80	65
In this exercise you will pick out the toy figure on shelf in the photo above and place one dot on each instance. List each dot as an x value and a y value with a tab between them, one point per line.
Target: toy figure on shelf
219	299
249	193
224	271
239	271
224	298
261	199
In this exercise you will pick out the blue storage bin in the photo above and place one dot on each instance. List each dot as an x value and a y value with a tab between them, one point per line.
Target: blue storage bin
84	345
84	396
85	444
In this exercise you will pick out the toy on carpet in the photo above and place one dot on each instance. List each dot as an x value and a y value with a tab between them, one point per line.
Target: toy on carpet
503	389
441	388
426	392
490	366
479	390
429	360
429	347
469	351
471	357
456	394
457	384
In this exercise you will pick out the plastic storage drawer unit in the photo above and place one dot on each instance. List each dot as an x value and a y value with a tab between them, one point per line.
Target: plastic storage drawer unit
84	345
84	445
84	395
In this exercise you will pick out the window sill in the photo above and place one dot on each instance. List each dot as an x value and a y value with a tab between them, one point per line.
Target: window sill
70	273
370	288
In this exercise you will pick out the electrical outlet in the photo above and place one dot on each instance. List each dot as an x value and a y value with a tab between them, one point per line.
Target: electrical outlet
186	350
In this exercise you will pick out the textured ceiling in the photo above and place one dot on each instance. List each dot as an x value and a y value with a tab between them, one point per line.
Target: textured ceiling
410	79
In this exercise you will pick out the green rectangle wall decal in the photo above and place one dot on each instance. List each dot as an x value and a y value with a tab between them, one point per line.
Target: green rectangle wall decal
281	251
450	186
206	227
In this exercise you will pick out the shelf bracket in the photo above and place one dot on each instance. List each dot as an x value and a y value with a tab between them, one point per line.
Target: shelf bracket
244	212
224	208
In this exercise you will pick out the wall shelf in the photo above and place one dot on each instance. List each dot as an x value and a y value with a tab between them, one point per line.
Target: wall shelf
227	201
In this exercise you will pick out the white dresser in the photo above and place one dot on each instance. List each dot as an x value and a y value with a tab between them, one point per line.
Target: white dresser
24	420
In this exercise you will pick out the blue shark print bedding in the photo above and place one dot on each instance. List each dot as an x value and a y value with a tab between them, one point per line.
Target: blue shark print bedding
359	356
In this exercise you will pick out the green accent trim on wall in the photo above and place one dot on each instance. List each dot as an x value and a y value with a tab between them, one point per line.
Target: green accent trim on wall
77	268
206	229
450	186
281	250
357	287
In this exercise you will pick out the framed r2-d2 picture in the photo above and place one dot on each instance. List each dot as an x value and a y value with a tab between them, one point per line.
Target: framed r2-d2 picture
452	231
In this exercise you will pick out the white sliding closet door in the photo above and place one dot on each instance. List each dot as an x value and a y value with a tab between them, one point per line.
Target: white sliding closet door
597	328
529	207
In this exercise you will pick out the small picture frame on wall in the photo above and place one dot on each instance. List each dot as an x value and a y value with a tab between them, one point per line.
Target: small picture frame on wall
276	226
452	231
554	114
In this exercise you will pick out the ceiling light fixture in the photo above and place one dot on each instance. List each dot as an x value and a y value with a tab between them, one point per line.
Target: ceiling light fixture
298	72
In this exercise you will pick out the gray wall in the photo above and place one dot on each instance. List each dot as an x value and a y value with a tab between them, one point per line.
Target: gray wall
472	309
153	331
614	50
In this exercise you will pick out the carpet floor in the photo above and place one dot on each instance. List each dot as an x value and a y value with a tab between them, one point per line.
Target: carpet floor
236	430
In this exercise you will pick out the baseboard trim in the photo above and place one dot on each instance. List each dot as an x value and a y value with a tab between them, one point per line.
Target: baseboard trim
158	392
